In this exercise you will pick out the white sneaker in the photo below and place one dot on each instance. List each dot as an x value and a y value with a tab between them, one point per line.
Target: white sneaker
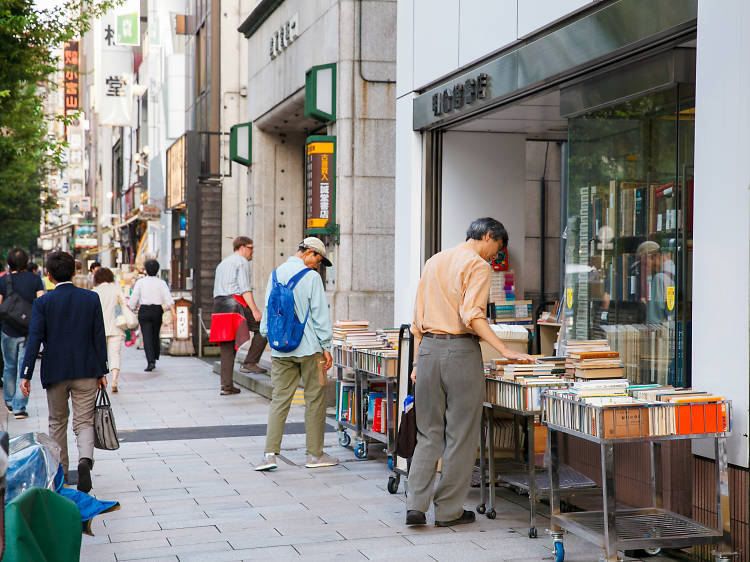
322	460
269	462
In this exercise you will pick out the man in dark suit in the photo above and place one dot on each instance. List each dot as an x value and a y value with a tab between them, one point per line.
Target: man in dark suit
69	322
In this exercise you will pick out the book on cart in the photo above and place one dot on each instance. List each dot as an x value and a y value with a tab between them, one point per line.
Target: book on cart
614	409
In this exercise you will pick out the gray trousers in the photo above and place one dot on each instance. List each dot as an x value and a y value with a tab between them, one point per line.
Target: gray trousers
82	394
448	400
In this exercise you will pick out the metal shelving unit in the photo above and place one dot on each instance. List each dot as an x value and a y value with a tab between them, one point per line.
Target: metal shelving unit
519	473
650	528
356	361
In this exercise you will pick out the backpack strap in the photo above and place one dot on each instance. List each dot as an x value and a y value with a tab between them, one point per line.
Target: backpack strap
296	279
275	279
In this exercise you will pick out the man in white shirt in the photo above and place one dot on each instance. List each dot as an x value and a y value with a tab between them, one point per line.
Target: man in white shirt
235	314
150	295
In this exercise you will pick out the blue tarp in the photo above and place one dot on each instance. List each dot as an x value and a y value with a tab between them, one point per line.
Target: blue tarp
34	463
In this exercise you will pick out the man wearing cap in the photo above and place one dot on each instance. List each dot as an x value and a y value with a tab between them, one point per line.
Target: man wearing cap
303	362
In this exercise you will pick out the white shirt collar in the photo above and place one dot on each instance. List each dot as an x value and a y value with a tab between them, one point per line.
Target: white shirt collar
63	283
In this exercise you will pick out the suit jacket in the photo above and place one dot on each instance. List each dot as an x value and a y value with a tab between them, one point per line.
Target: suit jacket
69	322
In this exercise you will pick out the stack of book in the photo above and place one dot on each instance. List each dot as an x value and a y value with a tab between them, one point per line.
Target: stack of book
343	329
390	337
502	286
586	365
513	311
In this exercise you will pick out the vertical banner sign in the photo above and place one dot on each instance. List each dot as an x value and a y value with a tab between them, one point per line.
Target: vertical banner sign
70	75
113	84
320	172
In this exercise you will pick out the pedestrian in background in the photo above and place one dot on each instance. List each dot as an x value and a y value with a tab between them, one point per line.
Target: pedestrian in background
449	319
69	322
81	279
111	297
150	296
13	336
235	314
304	362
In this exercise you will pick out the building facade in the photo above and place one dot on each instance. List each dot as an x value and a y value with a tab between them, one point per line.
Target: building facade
349	47
594	130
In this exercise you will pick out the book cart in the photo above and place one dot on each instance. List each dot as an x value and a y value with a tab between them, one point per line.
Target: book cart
650	528
523	403
368	367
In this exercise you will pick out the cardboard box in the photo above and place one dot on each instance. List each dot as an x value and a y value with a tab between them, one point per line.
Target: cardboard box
489	352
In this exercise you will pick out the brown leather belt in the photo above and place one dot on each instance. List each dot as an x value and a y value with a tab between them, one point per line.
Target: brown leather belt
447	336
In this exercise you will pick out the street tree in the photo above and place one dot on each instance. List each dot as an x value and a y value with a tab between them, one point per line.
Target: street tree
30	37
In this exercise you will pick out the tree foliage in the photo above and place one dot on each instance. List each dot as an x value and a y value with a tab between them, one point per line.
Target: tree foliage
29	37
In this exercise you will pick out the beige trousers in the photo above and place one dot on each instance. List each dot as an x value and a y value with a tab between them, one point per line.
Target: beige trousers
82	393
114	346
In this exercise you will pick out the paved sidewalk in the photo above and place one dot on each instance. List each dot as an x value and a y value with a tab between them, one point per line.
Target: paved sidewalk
199	499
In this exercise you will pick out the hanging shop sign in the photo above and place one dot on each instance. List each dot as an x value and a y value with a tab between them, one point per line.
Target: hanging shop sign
240	143
150	212
129	24
320	92
320	172
114	100
284	36
70	75
176	173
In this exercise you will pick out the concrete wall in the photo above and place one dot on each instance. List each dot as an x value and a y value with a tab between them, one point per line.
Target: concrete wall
721	247
484	175
273	80
360	285
440	36
233	110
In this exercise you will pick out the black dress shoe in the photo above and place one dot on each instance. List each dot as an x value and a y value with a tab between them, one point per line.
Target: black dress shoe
466	517
415	517
84	475
150	367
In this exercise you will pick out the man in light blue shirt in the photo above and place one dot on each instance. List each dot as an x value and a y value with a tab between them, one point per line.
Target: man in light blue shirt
312	355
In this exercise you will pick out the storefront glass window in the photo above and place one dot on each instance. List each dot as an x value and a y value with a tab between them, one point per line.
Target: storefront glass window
629	233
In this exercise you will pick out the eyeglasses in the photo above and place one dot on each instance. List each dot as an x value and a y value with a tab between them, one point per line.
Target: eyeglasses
249	247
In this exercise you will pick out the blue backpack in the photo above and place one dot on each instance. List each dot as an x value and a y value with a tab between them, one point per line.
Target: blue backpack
284	328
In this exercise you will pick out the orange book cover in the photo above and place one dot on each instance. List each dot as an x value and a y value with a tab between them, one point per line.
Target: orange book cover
706	414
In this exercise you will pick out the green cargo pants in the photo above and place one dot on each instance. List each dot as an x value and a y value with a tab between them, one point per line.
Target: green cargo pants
285	377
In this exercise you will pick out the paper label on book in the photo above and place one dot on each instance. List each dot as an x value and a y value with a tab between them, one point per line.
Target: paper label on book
670	298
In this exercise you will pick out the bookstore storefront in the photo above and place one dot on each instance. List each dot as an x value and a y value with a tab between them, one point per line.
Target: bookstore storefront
612	144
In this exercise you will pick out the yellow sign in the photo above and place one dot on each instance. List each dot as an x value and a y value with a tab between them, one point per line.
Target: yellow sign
569	298
320	148
670	298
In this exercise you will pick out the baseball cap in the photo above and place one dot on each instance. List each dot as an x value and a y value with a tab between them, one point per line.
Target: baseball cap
317	246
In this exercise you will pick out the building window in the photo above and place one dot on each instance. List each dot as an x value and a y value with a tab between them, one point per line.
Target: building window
629	232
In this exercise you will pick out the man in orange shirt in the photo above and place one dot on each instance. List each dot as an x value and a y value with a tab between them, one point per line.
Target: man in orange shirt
449	319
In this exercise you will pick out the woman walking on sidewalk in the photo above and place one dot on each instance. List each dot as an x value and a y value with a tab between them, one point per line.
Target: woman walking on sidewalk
111	297
150	295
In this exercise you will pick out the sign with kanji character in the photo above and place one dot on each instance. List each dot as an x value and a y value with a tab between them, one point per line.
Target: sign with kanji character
114	81
320	178
70	77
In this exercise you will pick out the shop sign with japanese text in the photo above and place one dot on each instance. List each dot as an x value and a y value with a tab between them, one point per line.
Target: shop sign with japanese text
321	185
70	77
114	83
